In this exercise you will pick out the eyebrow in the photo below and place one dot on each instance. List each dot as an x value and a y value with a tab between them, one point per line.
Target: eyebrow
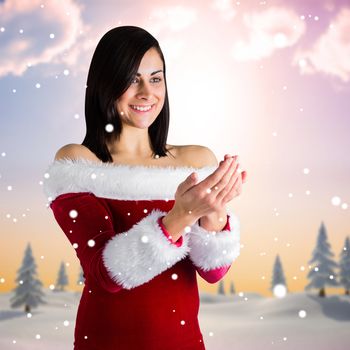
157	71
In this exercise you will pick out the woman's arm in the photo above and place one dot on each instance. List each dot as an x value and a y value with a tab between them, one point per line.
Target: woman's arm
212	255
115	261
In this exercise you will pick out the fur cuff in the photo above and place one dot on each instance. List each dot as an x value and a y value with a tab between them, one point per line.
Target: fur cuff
135	257
210	249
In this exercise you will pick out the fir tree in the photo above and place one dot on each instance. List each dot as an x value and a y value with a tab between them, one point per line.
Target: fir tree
81	278
344	265
232	288
321	273
277	274
62	279
221	289
28	291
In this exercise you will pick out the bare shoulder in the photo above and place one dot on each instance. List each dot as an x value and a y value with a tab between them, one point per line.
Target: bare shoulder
74	150
198	156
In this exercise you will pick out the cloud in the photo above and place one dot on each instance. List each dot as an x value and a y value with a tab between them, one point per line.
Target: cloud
331	52
269	30
176	18
225	9
47	31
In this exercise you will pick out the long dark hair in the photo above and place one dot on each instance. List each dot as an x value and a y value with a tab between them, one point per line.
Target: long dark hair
113	67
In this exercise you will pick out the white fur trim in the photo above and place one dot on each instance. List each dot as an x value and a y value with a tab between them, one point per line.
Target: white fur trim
212	250
116	181
135	257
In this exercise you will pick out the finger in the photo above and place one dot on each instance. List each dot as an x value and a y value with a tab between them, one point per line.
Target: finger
232	168
226	187
227	156
244	176
226	190
188	183
216	176
223	183
235	191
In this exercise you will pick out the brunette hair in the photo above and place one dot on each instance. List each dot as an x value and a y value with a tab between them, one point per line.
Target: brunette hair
113	67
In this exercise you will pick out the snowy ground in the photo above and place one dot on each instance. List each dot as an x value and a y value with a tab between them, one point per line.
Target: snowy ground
227	322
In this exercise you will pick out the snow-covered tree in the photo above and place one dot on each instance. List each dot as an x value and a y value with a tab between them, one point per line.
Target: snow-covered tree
277	274
322	273
232	288
62	279
81	278
28	291
344	265
221	289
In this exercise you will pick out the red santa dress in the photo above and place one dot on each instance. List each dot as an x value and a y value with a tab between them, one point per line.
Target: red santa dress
140	287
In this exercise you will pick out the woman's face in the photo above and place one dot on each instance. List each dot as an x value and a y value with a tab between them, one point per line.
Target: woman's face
146	90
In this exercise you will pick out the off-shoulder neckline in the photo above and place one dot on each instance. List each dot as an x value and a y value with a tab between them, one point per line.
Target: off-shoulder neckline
117	181
109	165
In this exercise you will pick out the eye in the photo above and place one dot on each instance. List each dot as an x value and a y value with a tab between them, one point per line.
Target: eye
159	80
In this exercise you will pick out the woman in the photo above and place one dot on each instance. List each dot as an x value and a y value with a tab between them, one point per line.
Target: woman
137	211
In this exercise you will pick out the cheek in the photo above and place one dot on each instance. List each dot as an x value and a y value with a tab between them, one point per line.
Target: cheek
127	96
161	95
122	103
118	108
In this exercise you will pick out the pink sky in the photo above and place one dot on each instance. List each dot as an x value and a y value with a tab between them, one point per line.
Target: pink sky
267	80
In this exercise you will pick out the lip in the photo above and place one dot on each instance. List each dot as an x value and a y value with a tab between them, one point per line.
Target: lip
142	112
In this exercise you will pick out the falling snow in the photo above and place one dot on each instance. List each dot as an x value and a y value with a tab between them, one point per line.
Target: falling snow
73	213
302	313
109	127
91	243
335	200
279	290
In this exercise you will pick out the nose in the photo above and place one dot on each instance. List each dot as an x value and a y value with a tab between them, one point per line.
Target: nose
144	91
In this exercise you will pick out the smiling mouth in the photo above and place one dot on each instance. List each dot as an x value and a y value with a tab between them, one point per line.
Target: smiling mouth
142	111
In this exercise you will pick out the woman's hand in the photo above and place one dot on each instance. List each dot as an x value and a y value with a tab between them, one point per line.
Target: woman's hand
213	221
210	195
236	188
